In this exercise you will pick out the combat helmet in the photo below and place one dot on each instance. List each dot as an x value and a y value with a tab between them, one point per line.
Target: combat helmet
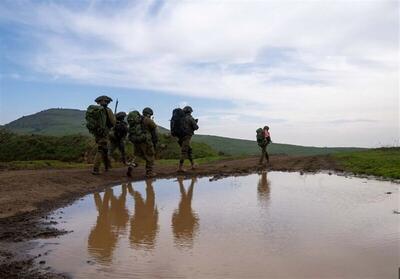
187	109
103	98
266	128
120	115
147	111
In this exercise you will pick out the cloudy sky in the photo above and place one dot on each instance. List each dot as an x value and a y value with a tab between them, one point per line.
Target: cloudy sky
323	73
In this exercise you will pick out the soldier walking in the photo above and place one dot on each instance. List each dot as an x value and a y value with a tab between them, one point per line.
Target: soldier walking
143	134
188	126
118	135
99	120
263	139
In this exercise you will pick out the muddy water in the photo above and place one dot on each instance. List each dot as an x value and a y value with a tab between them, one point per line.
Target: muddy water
275	225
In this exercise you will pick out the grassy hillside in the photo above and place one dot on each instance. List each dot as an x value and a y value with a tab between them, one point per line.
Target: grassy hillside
247	147
54	122
60	122
383	162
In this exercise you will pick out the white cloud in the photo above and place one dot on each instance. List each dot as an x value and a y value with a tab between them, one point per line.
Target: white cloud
308	62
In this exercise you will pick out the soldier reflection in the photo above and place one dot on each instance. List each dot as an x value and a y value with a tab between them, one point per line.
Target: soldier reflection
102	239
119	214
185	222
144	222
263	189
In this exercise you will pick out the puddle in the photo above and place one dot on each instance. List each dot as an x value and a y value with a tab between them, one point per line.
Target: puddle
275	225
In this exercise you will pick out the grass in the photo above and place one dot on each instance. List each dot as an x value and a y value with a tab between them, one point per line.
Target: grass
383	162
42	164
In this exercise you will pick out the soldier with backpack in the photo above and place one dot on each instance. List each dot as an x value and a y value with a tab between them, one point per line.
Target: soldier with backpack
263	139
118	135
183	126
99	120
143	135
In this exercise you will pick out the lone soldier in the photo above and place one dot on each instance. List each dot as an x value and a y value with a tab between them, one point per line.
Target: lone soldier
146	149
263	139
118	135
189	126
100	119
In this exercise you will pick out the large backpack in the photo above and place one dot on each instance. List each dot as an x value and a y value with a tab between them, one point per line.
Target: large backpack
137	134
96	121
261	137
120	130
178	123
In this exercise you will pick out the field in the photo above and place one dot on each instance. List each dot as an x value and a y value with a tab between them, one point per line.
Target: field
384	162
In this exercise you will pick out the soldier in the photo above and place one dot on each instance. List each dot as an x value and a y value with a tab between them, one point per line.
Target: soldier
118	135
189	126
100	119
263	139
146	149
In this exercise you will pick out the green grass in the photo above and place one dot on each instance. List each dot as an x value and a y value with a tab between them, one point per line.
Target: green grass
384	162
41	164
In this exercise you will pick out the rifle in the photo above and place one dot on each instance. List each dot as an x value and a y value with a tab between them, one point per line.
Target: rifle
116	106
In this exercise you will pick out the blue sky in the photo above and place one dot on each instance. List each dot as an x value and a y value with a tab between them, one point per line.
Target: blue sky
322	73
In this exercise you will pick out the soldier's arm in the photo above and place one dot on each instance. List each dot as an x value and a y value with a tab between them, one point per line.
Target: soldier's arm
111	117
194	124
152	126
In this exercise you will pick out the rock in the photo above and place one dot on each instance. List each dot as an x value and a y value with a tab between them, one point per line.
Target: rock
42	262
388	193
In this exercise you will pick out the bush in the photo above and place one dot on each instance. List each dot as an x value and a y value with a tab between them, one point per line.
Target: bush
78	148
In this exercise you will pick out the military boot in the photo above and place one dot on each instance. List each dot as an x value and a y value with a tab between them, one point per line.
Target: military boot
150	174
181	168
95	171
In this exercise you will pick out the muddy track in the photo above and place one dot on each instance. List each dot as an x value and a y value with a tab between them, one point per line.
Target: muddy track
27	196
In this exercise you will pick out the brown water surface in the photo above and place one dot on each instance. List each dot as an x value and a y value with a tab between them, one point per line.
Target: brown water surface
275	225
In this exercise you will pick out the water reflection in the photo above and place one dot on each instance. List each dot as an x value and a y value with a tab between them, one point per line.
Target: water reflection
144	222
263	189
185	221
102	239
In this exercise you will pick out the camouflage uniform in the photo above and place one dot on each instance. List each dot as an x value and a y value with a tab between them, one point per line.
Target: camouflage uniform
190	125
118	135
146	150
264	152
102	141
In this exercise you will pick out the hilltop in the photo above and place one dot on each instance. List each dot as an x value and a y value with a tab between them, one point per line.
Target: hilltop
61	122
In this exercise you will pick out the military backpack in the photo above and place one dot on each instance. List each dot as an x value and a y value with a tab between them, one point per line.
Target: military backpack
178	123
96	121
137	133
261	137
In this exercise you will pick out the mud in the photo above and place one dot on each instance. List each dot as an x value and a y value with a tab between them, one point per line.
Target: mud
27	196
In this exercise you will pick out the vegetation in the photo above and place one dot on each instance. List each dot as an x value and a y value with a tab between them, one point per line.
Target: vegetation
76	148
384	162
60	122
248	147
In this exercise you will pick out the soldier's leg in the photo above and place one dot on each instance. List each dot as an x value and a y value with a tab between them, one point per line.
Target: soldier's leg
97	160
262	155
121	148
266	154
183	154
148	152
106	159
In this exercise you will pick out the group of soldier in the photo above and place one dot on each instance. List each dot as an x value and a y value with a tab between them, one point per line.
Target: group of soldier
116	130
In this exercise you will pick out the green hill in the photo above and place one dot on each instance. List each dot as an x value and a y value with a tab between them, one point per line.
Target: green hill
51	122
60	122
